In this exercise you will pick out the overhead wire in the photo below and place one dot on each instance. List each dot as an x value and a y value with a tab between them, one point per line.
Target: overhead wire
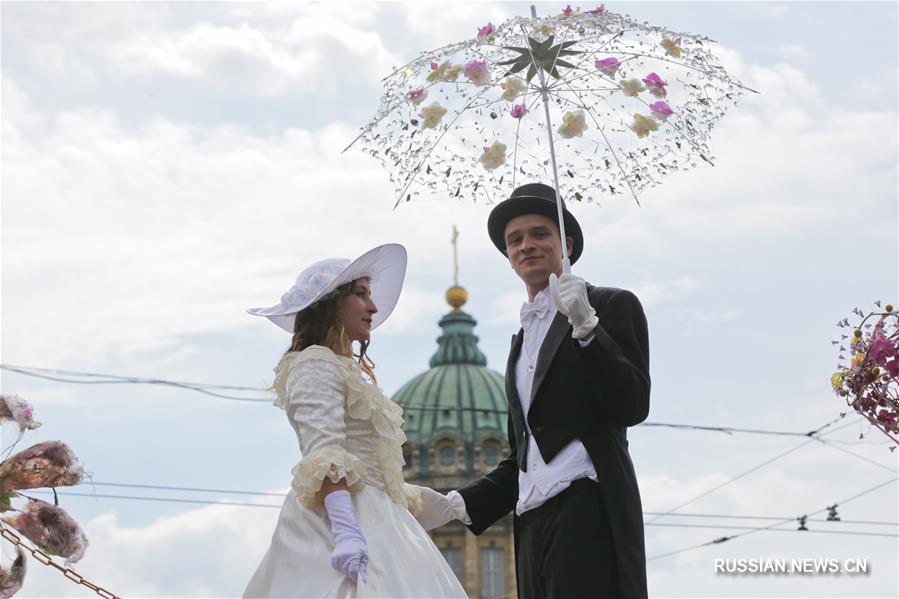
747	472
209	389
724	539
781	520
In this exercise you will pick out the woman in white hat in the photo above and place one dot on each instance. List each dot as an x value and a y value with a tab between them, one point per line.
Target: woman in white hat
347	527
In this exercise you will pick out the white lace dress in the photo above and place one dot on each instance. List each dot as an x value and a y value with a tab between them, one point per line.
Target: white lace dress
349	429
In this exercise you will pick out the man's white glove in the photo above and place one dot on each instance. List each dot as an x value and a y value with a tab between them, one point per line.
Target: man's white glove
437	509
570	294
350	555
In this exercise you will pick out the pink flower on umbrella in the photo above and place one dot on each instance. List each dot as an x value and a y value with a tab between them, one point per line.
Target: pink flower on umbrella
567	11
51	528
608	66
518	111
661	110
598	10
417	96
46	464
476	72
486	30
655	85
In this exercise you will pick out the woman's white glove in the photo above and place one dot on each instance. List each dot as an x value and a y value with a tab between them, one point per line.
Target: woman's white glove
570	294
437	509
350	555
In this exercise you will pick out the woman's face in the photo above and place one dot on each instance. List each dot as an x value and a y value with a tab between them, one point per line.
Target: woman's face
356	310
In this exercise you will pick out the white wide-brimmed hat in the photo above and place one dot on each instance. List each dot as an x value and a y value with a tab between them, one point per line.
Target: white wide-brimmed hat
384	265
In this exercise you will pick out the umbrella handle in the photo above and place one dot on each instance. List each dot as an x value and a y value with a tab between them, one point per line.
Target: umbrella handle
554	286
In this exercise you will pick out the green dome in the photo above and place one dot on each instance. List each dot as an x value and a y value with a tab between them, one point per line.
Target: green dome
459	395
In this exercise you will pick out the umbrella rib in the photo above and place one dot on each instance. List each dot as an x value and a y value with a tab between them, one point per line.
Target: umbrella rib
611	149
417	169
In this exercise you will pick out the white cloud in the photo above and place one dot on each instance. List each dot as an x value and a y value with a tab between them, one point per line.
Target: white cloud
172	556
794	53
655	291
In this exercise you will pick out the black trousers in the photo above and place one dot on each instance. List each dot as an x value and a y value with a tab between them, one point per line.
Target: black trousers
565	547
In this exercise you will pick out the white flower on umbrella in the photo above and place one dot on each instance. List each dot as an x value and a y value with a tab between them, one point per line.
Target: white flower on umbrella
632	87
493	156
512	88
432	115
642	125
573	124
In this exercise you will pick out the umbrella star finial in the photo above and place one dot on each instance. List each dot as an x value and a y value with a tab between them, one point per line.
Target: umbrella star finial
540	55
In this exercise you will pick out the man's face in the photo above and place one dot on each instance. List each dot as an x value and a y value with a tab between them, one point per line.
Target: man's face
534	248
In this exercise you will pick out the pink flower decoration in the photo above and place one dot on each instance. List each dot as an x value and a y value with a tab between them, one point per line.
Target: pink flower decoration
12	580
655	85
567	11
881	349
485	30
51	528
892	367
598	10
518	111
45	464
608	66
434	66
661	110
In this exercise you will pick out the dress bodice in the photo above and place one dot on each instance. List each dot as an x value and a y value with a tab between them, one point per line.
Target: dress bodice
347	428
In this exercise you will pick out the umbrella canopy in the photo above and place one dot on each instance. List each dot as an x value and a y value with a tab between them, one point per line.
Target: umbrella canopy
624	103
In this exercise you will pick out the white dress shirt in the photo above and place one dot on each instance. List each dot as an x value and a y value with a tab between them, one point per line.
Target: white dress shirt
541	481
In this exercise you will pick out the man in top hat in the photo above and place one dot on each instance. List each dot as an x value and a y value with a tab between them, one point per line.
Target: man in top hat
576	378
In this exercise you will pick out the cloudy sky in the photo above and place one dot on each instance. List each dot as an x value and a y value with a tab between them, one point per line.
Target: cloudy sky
166	166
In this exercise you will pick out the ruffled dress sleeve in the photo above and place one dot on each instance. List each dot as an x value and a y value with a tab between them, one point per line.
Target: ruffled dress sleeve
313	393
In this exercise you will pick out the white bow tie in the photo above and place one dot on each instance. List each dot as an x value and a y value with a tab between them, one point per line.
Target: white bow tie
533	311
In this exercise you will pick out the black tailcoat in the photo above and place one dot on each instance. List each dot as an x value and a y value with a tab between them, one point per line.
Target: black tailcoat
590	393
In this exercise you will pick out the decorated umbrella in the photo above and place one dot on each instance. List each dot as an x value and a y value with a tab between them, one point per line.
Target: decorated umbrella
592	101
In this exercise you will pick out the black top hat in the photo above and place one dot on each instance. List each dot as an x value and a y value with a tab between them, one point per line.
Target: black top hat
533	198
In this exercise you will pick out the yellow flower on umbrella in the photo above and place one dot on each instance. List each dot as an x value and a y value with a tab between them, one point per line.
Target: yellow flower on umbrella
512	88
573	124
493	156
642	125
443	72
632	87
671	47
432	115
